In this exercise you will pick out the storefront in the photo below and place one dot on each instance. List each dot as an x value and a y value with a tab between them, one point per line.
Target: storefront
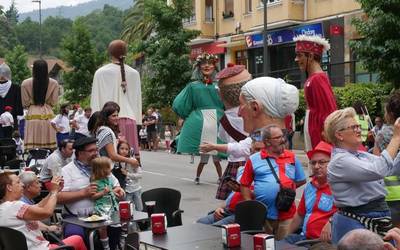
281	52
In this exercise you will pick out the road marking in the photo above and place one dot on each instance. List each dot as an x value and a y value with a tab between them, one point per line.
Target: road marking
160	174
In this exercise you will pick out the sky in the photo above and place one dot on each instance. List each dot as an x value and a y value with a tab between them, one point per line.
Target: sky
27	5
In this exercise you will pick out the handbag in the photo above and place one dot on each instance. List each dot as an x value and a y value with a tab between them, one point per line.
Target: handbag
285	196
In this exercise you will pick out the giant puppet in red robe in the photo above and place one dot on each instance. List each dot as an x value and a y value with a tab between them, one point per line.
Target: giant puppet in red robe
317	88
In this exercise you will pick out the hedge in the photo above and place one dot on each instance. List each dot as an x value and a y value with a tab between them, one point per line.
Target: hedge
371	94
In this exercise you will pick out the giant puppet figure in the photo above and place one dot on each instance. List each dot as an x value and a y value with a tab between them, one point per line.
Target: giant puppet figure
317	88
120	83
10	95
200	106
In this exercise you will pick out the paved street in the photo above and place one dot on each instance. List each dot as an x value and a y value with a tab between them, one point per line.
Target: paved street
175	171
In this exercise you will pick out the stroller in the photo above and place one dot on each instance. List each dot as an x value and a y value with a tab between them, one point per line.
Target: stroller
8	152
36	158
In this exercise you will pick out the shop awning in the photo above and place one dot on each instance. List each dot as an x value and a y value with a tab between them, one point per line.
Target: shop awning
232	44
211	48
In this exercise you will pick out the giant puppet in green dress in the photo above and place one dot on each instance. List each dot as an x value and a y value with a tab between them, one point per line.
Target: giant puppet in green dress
200	106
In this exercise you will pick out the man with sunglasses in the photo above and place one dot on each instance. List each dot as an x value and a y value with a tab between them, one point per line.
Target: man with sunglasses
316	205
260	169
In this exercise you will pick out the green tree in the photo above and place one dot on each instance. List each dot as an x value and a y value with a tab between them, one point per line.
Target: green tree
7	32
17	61
28	35
104	26
79	54
12	14
379	50
167	52
138	25
54	30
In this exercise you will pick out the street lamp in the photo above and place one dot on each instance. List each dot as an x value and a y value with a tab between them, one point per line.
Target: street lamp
40	25
265	40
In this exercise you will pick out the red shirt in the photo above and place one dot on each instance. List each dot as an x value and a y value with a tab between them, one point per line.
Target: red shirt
315	210
290	171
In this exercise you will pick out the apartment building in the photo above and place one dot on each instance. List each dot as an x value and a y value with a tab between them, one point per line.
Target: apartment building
233	29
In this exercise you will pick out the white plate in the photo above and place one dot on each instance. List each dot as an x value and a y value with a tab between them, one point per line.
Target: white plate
97	219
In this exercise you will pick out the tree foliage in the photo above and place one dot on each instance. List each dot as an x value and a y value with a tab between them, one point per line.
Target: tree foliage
17	61
138	25
79	54
379	50
167	52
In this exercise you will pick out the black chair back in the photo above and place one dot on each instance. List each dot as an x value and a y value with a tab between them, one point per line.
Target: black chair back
11	239
132	241
167	201
39	153
250	215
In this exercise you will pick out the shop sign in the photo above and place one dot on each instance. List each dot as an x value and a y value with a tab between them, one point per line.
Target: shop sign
284	35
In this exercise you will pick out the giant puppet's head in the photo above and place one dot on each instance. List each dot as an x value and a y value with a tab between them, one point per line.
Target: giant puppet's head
5	73
205	68
230	81
310	49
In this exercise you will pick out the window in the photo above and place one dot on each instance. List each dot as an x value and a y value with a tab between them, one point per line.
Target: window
191	19
269	1
209	11
248	7
241	57
228	11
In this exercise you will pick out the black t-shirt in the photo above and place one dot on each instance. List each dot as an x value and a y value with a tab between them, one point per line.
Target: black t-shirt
152	127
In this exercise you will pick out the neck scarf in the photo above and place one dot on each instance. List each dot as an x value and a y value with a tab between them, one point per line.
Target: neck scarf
4	88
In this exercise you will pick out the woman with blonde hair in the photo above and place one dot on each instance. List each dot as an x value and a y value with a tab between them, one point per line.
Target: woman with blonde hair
356	177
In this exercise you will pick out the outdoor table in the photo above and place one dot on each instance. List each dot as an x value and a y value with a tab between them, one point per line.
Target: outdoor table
199	236
93	226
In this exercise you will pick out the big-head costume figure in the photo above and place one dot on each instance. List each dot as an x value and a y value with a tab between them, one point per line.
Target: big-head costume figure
119	83
200	106
317	88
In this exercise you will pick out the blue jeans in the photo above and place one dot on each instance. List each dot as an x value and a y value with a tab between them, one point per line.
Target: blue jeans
342	224
293	238
135	197
210	219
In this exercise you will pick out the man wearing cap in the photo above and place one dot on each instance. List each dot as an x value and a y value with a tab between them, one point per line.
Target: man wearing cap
317	88
316	205
7	122
78	190
10	95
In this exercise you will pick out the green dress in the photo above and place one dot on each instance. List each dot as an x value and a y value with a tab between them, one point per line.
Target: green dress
196	104
99	203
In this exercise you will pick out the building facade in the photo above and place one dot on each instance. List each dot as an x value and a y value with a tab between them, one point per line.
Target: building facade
233	29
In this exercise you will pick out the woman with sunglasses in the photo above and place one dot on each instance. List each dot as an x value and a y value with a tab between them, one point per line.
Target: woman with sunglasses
356	177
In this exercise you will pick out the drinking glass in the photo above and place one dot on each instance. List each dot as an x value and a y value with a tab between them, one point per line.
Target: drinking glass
107	206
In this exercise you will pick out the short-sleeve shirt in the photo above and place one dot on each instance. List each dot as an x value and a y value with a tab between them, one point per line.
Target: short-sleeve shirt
101	185
316	206
11	215
152	127
54	162
61	121
82	122
289	171
76	179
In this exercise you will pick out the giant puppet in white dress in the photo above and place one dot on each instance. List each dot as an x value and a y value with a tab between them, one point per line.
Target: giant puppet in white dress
119	83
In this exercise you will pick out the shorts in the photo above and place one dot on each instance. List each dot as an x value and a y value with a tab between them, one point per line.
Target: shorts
151	136
204	158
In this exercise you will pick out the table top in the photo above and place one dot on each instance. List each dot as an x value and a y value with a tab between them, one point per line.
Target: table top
137	216
199	236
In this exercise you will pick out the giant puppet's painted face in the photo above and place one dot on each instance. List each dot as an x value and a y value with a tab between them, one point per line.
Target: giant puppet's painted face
207	68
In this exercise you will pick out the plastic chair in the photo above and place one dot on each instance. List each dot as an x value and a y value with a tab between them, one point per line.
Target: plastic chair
132	241
250	215
11	239
167	201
